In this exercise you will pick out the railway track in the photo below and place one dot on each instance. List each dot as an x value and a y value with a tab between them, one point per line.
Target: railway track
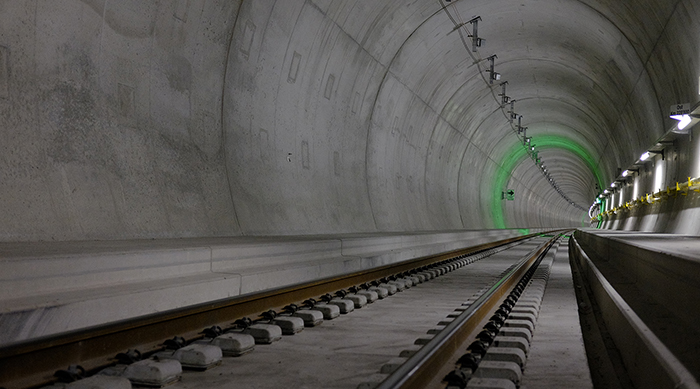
106	352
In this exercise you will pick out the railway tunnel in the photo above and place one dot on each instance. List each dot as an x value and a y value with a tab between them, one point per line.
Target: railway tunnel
162	154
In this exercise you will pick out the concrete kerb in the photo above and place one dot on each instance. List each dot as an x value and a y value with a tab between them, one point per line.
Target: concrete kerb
653	364
140	278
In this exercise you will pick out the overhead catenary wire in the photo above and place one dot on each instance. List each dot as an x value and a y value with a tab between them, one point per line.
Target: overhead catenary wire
461	27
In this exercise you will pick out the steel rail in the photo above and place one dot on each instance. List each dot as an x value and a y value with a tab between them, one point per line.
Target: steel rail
32	363
420	369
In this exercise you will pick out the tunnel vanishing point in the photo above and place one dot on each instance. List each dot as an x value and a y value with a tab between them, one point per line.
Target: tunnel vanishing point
189	141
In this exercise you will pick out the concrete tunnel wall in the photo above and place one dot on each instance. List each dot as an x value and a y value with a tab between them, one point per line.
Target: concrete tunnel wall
145	119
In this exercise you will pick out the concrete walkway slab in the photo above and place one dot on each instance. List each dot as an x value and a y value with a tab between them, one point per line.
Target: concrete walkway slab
557	356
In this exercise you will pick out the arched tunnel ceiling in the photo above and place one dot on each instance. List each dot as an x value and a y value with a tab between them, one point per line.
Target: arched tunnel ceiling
575	70
200	118
568	74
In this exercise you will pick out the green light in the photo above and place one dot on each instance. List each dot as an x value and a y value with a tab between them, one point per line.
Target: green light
517	154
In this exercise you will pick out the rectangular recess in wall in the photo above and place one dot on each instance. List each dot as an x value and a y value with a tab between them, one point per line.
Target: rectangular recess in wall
248	35
305	157
294	68
395	126
336	163
4	72
125	97
264	144
356	102
329	87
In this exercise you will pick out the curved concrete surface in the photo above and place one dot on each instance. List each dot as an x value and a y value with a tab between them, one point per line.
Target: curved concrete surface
146	119
135	120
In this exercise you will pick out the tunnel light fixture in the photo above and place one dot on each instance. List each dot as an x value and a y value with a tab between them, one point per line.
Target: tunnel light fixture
476	41
629	172
520	122
683	120
521	129
686	115
493	76
644	157
504	98
512	113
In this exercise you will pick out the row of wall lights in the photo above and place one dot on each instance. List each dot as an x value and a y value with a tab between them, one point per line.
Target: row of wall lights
684	124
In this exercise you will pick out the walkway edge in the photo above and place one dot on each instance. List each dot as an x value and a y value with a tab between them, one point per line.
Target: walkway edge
649	362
